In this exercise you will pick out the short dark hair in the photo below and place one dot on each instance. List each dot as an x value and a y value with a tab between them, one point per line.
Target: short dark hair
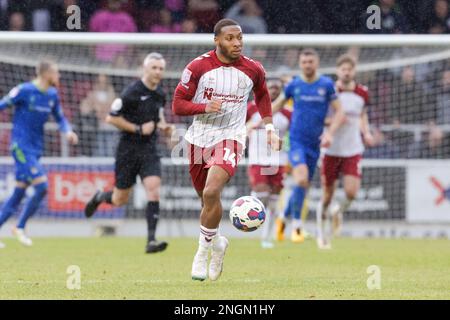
223	23
346	58
309	52
44	65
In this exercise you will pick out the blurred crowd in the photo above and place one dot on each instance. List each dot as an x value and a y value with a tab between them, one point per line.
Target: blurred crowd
255	16
409	106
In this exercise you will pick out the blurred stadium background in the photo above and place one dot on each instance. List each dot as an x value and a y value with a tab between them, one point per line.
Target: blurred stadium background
406	175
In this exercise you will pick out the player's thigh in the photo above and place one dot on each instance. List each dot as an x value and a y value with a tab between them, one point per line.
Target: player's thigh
216	180
259	182
352	175
276	181
351	185
152	185
300	172
28	168
330	171
126	167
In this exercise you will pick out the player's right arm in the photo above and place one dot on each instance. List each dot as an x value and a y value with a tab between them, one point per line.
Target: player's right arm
182	104
12	98
115	118
284	97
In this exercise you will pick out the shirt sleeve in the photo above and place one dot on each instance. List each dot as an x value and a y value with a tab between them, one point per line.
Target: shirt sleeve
120	105
182	104
331	91
14	97
289	90
58	114
262	96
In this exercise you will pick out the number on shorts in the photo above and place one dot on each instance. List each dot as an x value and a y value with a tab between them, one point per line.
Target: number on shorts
228	156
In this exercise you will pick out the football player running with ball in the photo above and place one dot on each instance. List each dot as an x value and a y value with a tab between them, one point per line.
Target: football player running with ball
215	88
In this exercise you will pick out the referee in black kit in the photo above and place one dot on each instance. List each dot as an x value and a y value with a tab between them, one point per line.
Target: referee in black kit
138	113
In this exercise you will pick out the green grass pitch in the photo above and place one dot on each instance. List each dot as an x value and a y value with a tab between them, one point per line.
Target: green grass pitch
117	268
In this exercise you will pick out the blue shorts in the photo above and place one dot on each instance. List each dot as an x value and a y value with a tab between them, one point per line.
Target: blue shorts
28	167
309	156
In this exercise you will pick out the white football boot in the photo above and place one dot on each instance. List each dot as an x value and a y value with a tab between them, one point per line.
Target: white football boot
219	248
200	264
22	237
2	245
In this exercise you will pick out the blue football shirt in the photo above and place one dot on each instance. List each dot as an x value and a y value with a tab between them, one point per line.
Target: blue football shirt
311	102
32	110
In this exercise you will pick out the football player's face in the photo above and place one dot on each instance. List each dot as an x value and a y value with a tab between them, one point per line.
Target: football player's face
346	72
52	76
309	64
230	42
274	89
154	70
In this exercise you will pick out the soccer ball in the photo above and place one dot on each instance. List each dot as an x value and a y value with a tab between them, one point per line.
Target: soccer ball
247	213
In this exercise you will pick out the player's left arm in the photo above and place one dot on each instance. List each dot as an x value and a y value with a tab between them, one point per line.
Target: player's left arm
365	129
163	125
14	96
336	121
264	105
64	125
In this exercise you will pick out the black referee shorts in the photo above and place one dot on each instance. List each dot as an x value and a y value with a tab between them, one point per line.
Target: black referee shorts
133	159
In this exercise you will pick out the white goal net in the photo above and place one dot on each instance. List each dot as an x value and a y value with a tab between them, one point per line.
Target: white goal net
409	85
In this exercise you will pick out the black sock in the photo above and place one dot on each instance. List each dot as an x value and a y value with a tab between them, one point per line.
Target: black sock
152	215
105	197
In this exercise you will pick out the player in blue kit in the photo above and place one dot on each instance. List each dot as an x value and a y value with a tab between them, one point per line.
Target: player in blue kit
312	95
33	102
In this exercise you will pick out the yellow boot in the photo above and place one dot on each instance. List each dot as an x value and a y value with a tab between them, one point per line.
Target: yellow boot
280	226
297	236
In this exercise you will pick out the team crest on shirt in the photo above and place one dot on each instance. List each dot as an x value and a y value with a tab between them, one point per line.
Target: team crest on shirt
242	84
321	91
34	170
51	103
186	76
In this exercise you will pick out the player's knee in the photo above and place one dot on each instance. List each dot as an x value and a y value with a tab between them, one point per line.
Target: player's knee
40	190
351	194
120	199
302	182
211	193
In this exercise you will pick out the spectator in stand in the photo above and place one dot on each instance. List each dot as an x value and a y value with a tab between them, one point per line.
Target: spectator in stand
165	24
383	148
430	146
409	100
176	8
440	21
443	99
249	16
189	26
111	19
16	22
392	19
94	109
205	12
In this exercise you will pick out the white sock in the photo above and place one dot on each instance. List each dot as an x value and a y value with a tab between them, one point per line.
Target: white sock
297	224
320	223
344	205
206	237
270	217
